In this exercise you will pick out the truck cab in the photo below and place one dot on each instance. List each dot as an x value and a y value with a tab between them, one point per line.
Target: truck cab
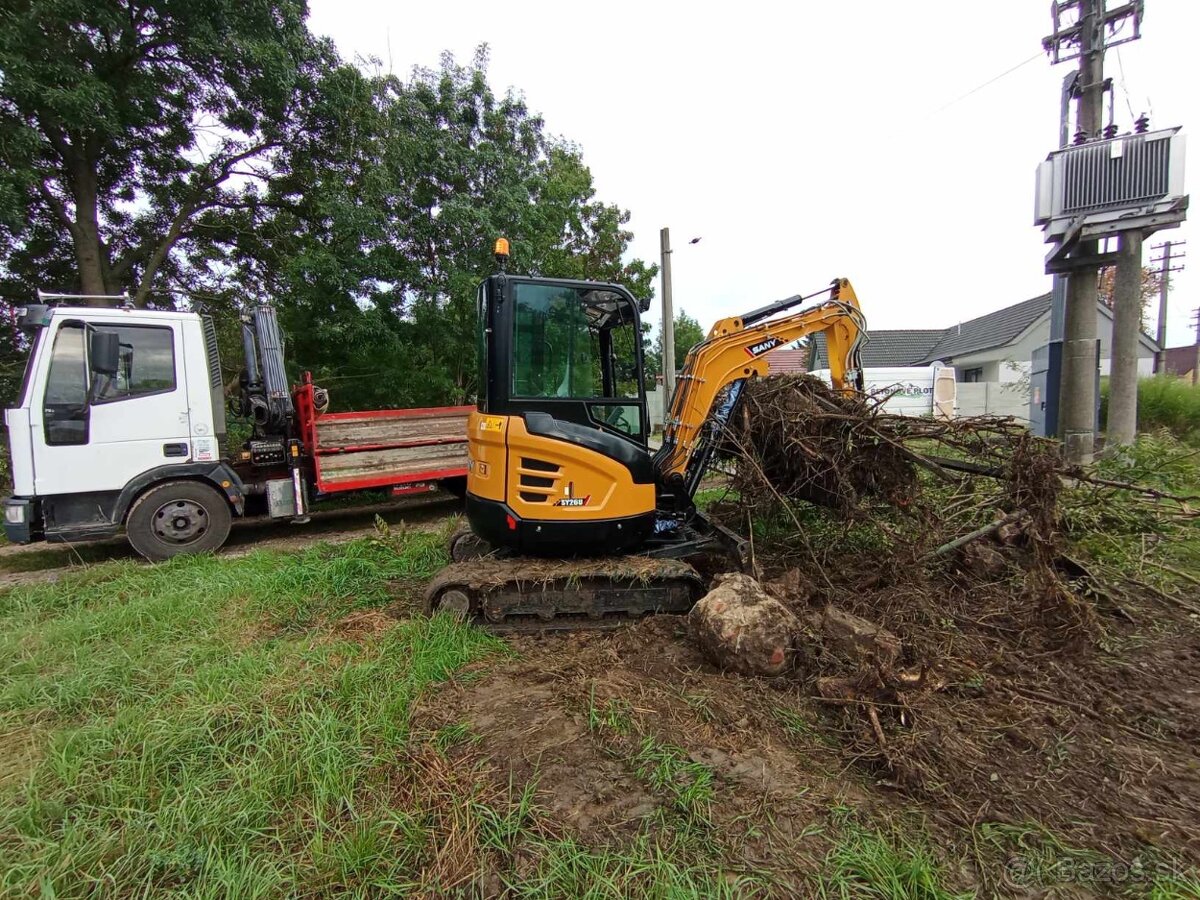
113	402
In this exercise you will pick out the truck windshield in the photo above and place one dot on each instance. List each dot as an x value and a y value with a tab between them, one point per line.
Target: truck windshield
25	399
576	343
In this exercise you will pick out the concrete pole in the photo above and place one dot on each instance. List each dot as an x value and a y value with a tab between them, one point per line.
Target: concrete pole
1127	322
1196	363
1164	288
668	326
1077	402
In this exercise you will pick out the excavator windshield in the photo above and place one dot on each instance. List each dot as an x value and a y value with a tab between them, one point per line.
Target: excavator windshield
577	343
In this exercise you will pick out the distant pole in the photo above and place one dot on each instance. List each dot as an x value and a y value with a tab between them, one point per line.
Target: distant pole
1196	361
1127	320
1169	262
668	327
1164	281
1078	398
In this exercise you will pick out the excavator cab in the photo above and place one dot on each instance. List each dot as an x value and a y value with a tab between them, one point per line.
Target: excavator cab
558	445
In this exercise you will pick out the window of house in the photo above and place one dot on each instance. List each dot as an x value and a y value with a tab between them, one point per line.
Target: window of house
973	375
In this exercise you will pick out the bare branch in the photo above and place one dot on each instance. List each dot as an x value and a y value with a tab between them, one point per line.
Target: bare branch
58	208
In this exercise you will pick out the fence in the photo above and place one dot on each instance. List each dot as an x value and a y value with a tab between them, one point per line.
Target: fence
992	398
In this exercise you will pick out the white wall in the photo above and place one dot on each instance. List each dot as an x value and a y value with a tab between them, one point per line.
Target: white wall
654	406
992	398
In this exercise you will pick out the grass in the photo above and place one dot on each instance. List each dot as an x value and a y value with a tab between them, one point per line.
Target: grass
652	867
185	730
206	728
798	725
1163	403
199	728
1122	531
867	863
1034	859
667	770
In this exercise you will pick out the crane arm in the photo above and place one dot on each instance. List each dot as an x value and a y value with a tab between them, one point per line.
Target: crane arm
734	351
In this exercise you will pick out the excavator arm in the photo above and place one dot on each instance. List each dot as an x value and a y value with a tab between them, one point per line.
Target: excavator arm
735	351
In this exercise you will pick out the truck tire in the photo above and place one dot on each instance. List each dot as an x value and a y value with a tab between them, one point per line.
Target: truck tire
178	517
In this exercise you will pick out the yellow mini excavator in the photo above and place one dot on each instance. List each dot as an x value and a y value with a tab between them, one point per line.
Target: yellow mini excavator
574	519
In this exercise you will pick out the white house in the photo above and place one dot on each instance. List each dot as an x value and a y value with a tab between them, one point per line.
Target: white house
993	350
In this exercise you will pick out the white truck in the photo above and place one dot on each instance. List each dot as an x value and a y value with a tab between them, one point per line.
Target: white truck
121	425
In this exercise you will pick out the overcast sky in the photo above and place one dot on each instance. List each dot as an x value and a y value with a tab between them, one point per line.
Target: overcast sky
803	141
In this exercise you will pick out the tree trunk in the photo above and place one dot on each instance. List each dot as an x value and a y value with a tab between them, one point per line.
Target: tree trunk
1127	324
89	248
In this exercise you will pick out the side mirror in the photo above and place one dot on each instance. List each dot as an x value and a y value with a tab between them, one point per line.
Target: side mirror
104	353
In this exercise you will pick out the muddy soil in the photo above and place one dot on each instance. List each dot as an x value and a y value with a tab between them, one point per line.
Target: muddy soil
1099	747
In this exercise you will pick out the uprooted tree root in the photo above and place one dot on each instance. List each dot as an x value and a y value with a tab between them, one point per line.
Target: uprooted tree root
947	533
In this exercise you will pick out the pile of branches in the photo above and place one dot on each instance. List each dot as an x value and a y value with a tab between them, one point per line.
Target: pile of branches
927	560
940	491
796	438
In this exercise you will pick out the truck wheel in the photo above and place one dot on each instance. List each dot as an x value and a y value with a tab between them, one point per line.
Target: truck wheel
178	517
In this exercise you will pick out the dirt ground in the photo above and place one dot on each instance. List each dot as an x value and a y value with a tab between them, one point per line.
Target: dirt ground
1093	748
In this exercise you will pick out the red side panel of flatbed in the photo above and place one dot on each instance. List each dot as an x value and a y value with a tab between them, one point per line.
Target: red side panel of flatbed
356	451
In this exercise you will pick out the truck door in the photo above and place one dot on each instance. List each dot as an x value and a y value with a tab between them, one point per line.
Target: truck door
97	432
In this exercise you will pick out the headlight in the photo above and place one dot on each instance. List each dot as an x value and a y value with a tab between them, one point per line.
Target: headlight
15	514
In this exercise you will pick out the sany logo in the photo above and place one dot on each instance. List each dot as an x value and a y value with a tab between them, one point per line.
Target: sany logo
763	346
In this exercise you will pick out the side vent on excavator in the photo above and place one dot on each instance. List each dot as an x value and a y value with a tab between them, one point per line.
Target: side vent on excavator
541	486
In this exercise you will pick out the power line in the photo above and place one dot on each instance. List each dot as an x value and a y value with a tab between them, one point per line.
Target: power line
1124	89
990	81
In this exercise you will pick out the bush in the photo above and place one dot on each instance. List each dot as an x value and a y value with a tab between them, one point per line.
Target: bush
1168	403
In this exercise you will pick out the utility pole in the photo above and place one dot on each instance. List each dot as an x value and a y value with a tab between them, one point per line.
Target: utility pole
1127	325
1077	399
1170	253
1082	30
668	326
1196	361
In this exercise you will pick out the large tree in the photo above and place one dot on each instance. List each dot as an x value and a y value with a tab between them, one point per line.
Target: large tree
379	241
121	121
218	152
688	334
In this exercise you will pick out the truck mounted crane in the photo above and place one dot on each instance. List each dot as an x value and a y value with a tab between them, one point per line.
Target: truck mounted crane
559	462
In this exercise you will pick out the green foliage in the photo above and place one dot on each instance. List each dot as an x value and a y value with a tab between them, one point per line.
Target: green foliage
688	333
1170	403
1136	536
221	152
121	122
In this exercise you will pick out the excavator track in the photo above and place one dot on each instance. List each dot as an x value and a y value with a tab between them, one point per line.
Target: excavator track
524	594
